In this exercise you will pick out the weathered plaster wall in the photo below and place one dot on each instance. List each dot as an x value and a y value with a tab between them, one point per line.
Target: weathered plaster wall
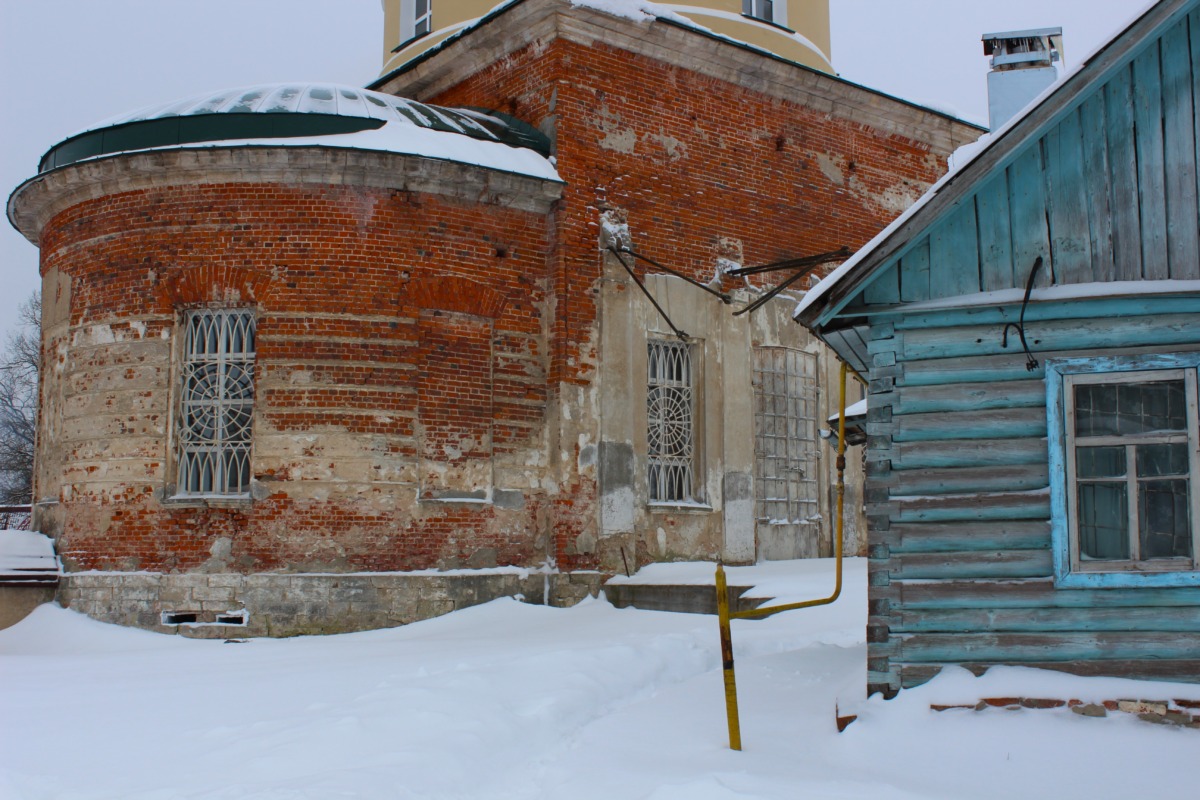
702	170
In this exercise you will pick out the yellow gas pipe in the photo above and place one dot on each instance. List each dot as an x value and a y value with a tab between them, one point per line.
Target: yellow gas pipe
723	614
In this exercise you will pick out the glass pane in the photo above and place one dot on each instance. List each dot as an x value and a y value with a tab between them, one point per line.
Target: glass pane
1100	462
1163	519
1155	460
1103	521
1130	408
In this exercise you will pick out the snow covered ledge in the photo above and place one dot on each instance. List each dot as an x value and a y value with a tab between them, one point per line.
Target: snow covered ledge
29	574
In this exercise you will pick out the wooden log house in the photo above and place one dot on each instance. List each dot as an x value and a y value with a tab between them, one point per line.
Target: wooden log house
1030	330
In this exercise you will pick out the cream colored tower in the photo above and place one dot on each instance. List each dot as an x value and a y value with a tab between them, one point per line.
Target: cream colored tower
797	30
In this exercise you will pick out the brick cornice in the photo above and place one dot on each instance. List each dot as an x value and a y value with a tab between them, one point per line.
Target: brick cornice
37	201
540	22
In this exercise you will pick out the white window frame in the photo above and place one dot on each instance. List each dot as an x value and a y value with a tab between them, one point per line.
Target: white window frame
672	425
416	19
214	415
773	11
1062	378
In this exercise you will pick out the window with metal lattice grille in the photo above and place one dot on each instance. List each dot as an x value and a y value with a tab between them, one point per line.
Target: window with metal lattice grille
785	442
671	421
216	403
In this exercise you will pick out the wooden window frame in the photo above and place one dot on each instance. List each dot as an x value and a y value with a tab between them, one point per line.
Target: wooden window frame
1062	376
755	9
413	23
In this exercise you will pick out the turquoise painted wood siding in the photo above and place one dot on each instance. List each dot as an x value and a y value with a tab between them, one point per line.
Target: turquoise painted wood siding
961	569
1109	192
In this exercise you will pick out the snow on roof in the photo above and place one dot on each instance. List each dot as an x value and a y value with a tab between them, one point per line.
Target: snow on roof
27	556
300	98
396	138
962	158
408	127
642	10
858	409
636	10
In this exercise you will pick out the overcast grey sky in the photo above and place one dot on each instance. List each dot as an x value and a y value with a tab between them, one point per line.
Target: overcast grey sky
66	64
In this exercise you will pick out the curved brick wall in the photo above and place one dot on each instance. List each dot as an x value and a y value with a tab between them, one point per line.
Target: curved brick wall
400	385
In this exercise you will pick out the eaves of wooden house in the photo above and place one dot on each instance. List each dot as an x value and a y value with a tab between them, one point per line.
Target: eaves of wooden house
1031	333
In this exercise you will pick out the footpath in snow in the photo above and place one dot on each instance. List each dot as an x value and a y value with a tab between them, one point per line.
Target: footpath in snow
509	700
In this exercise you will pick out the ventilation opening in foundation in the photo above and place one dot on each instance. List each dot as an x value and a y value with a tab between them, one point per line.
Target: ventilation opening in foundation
199	618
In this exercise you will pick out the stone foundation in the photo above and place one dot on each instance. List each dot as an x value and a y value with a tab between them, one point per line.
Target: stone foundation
230	605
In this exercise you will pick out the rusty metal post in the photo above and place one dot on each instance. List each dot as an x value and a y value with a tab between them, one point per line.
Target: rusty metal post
731	706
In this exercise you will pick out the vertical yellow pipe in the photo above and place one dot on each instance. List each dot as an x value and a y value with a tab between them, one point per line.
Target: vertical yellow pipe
731	706
723	615
841	475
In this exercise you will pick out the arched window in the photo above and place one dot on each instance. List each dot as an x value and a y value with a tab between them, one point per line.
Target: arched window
216	403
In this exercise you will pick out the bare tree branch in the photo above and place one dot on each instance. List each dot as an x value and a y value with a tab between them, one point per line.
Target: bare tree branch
19	365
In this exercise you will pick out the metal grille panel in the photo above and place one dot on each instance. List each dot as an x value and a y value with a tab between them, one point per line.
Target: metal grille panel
670	411
217	403
785	436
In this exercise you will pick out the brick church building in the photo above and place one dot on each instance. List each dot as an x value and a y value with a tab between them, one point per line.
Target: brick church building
322	358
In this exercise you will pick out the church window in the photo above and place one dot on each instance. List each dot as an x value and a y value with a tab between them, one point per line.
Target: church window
216	403
671	421
785	436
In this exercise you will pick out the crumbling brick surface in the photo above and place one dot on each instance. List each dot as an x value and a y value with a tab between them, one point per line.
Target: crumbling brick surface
354	373
700	169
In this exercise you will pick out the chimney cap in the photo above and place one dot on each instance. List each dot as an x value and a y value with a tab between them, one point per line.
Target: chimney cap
1004	43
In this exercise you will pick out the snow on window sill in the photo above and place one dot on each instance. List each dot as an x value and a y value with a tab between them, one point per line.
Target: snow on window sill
208	500
678	505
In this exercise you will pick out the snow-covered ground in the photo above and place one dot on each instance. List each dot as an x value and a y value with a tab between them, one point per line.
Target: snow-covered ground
508	700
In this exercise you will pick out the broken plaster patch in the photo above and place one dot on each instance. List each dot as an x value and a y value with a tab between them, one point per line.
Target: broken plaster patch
617	138
894	199
674	148
832	168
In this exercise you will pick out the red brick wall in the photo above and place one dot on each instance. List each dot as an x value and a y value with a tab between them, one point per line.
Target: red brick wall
349	333
346	283
710	161
455	402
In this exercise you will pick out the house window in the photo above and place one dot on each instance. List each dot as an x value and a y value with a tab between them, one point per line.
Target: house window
671	421
774	11
416	17
216	403
1126	499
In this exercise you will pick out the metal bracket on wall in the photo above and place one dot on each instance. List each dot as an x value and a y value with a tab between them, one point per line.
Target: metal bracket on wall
803	266
724	298
682	336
